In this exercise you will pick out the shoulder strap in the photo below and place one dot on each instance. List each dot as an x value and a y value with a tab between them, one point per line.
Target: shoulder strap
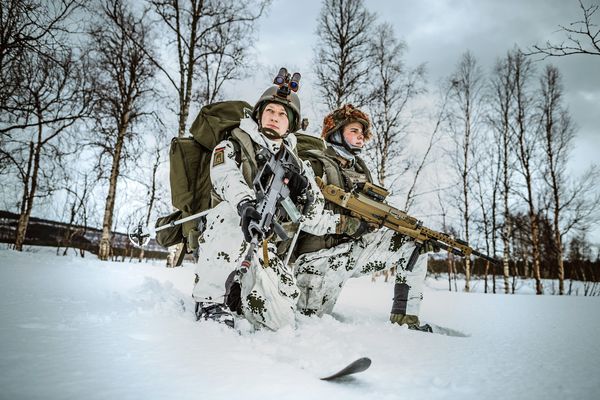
331	168
244	145
365	169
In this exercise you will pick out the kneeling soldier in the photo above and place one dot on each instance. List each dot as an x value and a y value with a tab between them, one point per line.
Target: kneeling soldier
325	263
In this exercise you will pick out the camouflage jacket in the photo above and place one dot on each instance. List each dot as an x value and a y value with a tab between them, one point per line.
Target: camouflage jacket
333	169
232	172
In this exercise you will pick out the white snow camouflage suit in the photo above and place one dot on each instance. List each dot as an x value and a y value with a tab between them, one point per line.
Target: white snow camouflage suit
268	293
322	271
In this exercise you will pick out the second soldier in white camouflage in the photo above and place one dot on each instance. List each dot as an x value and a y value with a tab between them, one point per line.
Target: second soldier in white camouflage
325	263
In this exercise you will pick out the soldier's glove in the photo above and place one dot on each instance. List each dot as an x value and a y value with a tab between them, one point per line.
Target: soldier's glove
247	211
412	321
429	246
297	183
353	227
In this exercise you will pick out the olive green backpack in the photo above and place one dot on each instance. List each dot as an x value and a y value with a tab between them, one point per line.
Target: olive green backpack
307	142
189	159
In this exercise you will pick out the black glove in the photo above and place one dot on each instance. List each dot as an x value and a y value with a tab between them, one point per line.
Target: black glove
248	213
297	183
353	227
429	246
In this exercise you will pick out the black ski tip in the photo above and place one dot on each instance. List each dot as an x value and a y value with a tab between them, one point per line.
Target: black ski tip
354	367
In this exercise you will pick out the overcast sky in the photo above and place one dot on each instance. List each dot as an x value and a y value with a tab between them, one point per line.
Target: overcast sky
437	33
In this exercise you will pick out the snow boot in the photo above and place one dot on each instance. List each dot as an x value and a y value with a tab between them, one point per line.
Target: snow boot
421	328
412	321
211	310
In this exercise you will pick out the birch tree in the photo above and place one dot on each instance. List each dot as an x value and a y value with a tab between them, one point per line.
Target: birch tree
502	88
79	190
441	117
27	27
29	30
43	96
392	86
466	100
526	145
570	206
155	194
124	78
211	39
486	187
558	133
342	55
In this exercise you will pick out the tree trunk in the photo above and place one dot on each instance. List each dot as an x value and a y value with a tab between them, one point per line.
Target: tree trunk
23	218
29	191
525	136
507	231
561	265
535	241
466	220
152	199
465	182
487	268
449	271
454	273
105	240
506	267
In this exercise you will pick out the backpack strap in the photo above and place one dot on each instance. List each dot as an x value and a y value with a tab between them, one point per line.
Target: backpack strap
331	169
364	168
245	150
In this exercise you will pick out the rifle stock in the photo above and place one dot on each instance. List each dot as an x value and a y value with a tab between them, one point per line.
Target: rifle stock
380	213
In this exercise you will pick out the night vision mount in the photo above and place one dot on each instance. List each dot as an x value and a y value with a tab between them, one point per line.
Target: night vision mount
287	83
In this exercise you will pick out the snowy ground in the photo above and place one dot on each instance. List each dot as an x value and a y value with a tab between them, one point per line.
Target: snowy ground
77	328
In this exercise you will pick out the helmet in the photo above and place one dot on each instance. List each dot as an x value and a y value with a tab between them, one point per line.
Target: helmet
291	102
344	115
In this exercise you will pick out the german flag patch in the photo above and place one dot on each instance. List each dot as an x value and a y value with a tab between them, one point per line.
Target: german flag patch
218	156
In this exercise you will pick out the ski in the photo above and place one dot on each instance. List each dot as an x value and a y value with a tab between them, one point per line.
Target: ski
440	330
354	367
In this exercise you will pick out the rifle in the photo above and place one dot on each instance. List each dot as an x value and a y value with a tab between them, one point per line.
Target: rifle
369	205
272	196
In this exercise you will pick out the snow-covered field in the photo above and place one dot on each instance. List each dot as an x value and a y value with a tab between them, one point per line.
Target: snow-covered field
75	328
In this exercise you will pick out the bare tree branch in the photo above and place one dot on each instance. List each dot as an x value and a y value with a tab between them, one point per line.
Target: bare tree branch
582	37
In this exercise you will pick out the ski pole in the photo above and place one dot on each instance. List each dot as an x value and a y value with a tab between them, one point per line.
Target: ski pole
181	221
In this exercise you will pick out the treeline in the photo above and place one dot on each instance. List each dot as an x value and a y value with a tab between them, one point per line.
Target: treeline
507	135
512	138
91	92
81	239
580	265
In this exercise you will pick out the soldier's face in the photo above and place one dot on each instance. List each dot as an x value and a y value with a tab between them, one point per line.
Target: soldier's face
274	117
354	135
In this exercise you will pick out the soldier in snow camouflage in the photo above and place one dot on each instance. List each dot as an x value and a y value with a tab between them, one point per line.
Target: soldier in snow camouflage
325	263
266	295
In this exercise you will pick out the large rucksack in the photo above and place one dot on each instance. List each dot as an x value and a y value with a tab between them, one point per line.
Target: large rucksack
189	159
307	142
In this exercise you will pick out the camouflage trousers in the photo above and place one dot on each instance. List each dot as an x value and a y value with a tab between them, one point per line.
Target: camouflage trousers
321	275
268	289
